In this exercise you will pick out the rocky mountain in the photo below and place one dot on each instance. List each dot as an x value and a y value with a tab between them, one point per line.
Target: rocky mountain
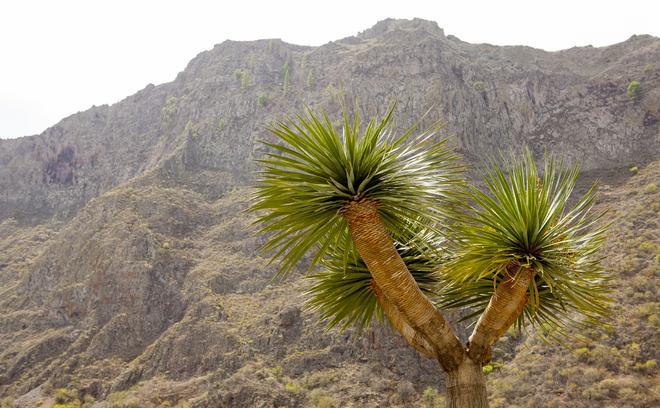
129	272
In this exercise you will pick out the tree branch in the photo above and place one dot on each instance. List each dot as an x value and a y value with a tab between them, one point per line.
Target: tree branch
392	276
401	324
506	304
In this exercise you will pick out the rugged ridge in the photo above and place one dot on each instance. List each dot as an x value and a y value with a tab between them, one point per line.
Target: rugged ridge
128	269
571	101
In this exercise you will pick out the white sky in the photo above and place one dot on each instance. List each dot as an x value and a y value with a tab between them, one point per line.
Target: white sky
60	57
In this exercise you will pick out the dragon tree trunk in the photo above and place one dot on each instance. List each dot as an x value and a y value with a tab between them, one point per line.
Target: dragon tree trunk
466	386
410	311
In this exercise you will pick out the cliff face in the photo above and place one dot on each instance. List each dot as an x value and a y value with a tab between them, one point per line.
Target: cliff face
572	102
128	268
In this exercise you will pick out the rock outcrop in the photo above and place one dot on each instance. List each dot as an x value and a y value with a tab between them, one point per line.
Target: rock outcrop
572	102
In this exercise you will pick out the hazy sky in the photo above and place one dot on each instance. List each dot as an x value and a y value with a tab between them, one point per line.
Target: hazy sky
60	57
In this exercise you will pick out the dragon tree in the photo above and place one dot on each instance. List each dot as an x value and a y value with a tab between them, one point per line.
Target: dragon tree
395	233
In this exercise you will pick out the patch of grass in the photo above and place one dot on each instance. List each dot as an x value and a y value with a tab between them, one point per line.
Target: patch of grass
276	371
319	379
647	246
320	399
581	353
65	398
432	399
647	367
6	402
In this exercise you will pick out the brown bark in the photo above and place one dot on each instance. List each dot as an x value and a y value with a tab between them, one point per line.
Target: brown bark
506	304
392	276
466	386
402	325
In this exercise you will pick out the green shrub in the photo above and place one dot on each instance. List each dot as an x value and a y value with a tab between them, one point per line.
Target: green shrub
243	78
169	109
650	188
479	86
634	169
581	353
63	396
432	399
262	100
276	371
293	388
647	367
191	129
647	246
633	89
319	380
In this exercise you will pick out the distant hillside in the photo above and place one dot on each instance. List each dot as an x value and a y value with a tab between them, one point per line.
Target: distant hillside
129	273
573	101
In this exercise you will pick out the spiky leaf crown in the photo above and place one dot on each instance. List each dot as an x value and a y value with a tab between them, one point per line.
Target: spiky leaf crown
314	172
522	219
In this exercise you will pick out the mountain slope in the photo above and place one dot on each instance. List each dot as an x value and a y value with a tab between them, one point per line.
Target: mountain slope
572	101
129	272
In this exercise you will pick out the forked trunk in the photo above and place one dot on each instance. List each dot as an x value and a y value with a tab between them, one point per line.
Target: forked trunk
412	313
466	386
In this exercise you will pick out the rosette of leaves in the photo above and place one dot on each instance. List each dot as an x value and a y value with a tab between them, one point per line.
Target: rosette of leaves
315	169
522	223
